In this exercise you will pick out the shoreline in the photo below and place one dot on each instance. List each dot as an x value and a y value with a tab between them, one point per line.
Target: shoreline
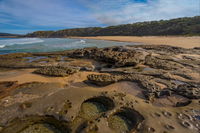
179	41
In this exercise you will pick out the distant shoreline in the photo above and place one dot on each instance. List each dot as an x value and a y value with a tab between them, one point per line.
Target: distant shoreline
179	41
10	37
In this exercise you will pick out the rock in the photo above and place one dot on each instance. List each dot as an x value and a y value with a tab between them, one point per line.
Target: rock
198	48
114	55
149	96
57	71
163	48
102	80
163	93
91	68
189	91
144	81
161	64
183	103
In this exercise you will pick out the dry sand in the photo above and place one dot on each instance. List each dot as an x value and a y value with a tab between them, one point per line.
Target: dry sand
185	42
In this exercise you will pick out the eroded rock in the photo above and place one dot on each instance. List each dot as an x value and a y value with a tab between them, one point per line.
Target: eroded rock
57	71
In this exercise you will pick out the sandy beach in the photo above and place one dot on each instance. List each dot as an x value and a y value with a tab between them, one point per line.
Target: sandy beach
185	42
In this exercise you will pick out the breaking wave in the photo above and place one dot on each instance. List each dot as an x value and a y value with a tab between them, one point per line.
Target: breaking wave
2	46
8	42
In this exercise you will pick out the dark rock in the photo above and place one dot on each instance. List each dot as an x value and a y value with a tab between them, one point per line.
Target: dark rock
189	91
163	93
149	95
185	103
198	48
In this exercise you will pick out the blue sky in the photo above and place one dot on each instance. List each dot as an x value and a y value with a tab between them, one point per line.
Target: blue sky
24	16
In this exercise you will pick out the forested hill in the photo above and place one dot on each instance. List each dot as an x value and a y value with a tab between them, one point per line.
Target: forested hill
179	26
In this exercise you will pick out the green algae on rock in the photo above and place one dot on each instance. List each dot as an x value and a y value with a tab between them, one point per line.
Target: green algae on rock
125	120
95	106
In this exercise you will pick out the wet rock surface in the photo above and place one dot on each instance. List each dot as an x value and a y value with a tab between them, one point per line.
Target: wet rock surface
143	88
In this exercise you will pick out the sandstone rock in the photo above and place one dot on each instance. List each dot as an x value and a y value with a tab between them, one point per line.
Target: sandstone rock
57	71
102	80
161	64
163	48
116	56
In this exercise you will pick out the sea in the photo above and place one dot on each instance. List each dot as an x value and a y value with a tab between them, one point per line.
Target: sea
18	45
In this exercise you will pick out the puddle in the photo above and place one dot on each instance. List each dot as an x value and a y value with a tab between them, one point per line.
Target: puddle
31	59
95	106
148	69
125	120
197	117
178	82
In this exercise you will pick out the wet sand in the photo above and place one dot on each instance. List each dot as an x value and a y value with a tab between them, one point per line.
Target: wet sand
185	42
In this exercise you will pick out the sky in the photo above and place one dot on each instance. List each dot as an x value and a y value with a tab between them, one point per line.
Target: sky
25	16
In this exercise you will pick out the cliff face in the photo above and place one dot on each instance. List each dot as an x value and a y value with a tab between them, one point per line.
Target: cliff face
179	26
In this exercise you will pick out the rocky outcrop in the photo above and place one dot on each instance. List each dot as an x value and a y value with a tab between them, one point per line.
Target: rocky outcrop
103	80
56	71
117	56
143	81
161	64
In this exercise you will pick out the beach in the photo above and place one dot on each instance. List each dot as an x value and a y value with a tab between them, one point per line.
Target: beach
179	41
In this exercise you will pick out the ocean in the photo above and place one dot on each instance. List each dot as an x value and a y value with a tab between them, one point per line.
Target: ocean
15	45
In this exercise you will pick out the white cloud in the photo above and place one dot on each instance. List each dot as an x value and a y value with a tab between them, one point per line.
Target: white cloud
131	11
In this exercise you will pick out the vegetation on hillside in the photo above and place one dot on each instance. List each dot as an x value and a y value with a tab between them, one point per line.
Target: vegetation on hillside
179	26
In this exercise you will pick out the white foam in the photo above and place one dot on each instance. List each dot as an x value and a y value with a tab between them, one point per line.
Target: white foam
2	46
8	42
82	41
